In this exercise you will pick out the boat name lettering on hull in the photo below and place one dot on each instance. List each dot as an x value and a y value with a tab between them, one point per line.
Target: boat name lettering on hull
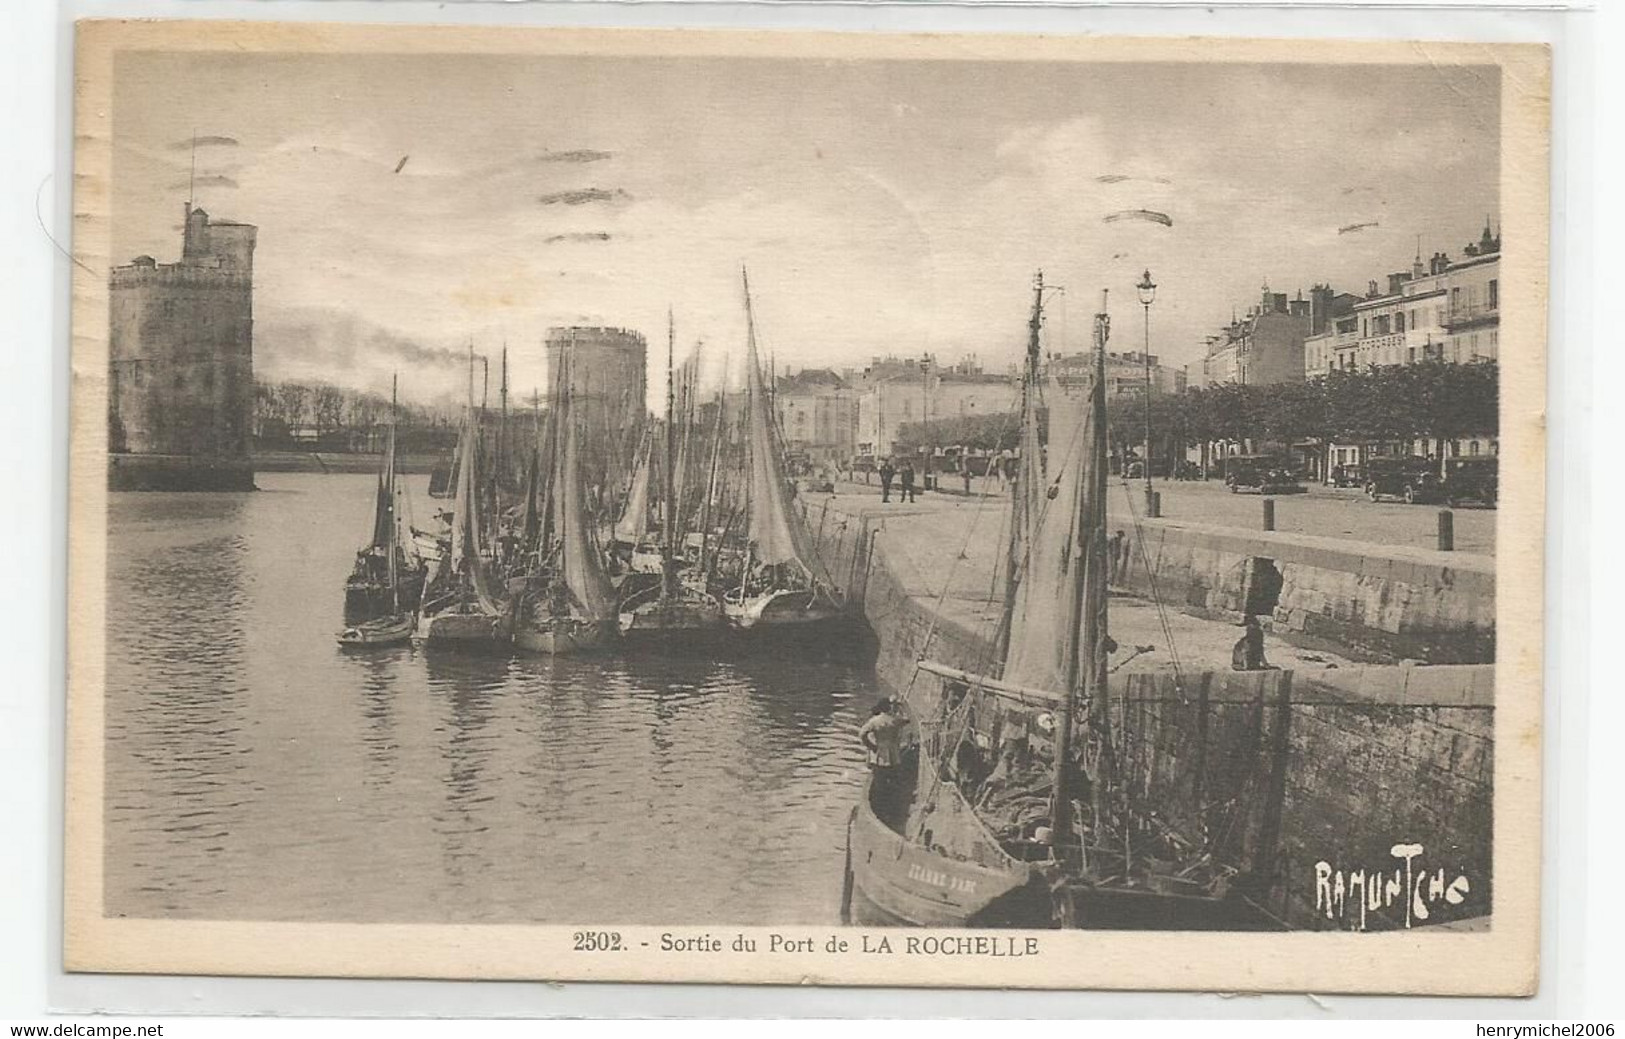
938	878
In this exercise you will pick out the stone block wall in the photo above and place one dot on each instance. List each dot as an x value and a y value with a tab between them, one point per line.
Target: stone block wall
1406	603
1305	782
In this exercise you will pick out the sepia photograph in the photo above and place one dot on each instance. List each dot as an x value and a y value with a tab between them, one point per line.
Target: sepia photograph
765	507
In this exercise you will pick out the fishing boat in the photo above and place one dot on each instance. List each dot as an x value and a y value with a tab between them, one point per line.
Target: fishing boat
382	590
679	611
1012	812
459	607
567	604
641	552
780	584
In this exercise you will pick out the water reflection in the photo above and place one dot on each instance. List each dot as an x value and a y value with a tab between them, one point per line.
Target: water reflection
257	771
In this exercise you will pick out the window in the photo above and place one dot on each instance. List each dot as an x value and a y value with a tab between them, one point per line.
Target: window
1399	321
1413	355
1495	293
1472	448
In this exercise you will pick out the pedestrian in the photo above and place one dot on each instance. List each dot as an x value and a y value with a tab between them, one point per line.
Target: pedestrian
886	475
908	482
1248	652
882	737
964	471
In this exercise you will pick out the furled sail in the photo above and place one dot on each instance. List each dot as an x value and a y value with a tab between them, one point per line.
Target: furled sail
1063	503
383	516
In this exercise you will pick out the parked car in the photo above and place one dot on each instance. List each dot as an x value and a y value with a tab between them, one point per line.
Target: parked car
1266	474
1412	480
1475	478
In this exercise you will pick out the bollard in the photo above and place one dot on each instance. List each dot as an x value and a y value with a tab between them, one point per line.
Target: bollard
1269	513
1156	504
1447	531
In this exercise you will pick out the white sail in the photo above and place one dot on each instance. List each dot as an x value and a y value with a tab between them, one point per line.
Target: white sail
583	566
634	521
775	532
466	557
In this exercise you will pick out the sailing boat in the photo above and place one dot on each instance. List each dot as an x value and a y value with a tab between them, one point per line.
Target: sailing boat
383	590
459	607
568	604
778	584
1013	817
679	611
632	529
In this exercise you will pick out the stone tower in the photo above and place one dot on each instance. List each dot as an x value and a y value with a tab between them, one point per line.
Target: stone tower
181	371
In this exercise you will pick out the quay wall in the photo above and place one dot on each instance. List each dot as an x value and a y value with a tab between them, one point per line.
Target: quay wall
1287	771
1381	605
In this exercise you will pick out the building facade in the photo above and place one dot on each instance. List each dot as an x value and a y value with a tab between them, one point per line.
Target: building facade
1125	373
181	363
1443	310
894	392
1264	348
818	414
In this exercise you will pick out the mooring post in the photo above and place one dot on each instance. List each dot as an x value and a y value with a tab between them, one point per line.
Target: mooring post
1447	531
1156	504
1269	513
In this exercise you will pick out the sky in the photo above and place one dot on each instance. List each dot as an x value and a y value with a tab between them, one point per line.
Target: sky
408	205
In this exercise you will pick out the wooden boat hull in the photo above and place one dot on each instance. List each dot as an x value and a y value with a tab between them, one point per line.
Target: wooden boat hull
565	638
680	624
471	630
894	882
385	631
368	600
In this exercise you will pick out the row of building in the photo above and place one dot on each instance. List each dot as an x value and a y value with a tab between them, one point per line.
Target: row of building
830	415
1443	309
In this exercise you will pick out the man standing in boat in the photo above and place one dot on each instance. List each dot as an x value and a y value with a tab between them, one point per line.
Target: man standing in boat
886	475
882	737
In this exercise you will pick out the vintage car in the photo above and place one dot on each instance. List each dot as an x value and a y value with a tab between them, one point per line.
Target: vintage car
1412	479
1475	478
1265	474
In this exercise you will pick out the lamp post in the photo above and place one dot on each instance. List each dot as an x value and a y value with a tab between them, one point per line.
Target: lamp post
1148	294
925	420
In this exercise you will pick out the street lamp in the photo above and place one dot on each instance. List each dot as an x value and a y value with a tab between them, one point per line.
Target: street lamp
925	419
1148	295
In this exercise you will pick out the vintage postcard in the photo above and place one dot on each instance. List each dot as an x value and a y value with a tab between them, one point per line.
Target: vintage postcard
807	508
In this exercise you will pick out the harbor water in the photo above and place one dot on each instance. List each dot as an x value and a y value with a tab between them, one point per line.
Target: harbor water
257	771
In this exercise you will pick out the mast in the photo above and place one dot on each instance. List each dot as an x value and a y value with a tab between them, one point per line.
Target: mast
502	426
669	550
394	518
1018	512
1084	636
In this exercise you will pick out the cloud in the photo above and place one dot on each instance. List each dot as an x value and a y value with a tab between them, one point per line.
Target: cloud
204	180
584	196
576	155
203	140
578	236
